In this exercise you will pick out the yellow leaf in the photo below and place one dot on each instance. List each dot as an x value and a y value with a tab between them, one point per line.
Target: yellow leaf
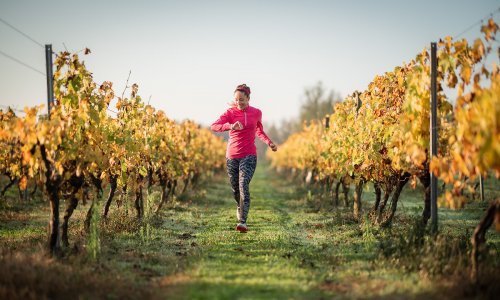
465	73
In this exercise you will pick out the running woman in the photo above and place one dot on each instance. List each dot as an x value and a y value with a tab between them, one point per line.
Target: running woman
244	122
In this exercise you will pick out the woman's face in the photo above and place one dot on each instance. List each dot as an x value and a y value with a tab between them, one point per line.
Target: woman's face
241	100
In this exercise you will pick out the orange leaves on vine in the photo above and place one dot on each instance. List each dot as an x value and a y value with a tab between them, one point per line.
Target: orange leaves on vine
489	30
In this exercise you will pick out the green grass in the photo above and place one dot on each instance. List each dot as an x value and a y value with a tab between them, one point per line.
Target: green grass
298	247
266	262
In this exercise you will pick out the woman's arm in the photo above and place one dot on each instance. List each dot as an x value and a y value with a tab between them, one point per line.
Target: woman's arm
222	124
259	132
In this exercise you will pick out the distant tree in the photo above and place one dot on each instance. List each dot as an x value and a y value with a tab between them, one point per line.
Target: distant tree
318	102
288	127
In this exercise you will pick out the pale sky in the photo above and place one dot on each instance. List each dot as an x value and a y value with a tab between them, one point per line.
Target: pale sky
190	55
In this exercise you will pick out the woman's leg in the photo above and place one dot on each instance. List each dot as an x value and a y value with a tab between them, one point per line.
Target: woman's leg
233	168
247	168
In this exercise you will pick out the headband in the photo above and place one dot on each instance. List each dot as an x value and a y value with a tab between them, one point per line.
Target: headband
243	88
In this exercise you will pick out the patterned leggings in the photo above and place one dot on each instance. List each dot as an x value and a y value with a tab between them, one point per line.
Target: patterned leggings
240	171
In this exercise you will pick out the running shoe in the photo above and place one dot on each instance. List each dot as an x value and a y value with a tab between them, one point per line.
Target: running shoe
242	227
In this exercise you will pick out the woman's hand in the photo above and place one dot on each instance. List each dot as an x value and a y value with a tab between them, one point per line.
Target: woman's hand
237	126
273	147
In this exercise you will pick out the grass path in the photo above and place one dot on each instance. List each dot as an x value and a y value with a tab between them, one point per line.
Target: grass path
261	264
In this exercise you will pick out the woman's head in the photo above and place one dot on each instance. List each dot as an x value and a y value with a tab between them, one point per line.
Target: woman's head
241	96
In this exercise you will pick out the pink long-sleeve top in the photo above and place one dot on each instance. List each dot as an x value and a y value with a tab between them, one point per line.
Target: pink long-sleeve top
242	142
